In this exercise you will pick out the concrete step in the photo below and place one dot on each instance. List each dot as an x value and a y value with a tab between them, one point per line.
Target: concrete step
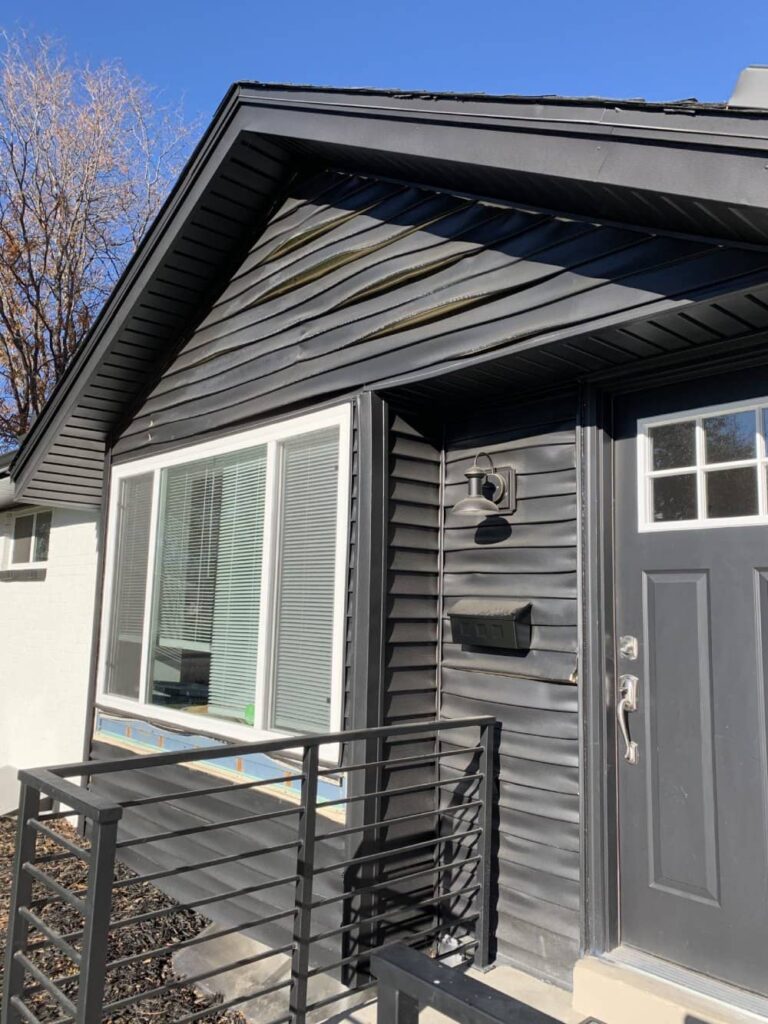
618	994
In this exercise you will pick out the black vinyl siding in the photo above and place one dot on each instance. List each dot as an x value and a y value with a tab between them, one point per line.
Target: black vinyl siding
351	267
409	687
530	554
355	280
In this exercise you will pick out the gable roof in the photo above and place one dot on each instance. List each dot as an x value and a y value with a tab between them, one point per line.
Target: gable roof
684	167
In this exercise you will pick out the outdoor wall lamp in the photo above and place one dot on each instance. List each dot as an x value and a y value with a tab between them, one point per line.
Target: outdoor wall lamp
490	490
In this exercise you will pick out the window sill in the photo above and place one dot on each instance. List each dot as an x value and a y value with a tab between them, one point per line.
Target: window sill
140	736
22	575
182	724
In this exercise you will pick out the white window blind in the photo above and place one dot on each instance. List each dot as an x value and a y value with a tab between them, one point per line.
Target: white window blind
209	584
127	623
237	602
301	695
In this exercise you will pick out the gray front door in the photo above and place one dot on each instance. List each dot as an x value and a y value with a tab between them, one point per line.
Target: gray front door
691	584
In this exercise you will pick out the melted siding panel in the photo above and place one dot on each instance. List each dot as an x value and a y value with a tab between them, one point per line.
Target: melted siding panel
355	279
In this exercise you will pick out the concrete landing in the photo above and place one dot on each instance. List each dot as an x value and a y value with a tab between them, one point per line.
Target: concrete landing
617	994
538	994
353	1009
249	977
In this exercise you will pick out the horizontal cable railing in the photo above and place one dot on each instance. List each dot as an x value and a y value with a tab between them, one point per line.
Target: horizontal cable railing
285	889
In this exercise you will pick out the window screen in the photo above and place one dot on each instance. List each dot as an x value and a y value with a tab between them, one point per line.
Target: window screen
23	535
129	587
306	576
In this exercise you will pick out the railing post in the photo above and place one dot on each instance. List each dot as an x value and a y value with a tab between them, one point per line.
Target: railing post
394	1006
482	957
29	807
98	909
305	870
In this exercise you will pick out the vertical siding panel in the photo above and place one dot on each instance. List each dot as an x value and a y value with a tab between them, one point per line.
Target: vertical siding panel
410	683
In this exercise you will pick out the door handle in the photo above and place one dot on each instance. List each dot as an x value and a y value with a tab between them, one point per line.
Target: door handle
627	703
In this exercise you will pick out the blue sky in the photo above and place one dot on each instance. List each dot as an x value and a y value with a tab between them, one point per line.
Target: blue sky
659	49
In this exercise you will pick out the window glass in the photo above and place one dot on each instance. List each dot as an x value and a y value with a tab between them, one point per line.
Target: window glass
306	575
673	446
674	498
23	532
129	586
42	535
732	492
730	438
225	573
208	586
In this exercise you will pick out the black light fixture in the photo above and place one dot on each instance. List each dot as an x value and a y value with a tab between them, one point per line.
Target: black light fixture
502	496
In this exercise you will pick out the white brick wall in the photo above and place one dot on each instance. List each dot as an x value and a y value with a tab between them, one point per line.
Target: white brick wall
45	647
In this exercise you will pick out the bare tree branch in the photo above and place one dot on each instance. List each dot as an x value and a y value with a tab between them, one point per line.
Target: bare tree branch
86	157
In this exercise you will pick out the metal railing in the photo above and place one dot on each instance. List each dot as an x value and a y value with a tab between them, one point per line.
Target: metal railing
402	853
409	981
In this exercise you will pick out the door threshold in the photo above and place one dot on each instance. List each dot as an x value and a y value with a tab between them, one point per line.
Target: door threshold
710	988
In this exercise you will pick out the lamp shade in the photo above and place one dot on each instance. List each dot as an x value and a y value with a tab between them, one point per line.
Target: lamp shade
475	504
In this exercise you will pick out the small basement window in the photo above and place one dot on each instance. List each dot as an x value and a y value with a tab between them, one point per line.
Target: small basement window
31	538
704	468
226	589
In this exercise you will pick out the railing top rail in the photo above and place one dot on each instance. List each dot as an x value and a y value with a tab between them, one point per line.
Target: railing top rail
92	805
284	745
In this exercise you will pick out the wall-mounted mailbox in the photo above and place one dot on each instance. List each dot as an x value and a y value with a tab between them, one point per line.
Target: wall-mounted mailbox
488	622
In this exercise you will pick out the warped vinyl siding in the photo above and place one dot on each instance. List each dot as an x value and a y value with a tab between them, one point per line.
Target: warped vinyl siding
530	555
355	280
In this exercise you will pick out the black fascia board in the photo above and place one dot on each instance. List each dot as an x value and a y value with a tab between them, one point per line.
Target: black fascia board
704	162
715	157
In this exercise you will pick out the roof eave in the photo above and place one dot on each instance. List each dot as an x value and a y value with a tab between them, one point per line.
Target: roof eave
707	164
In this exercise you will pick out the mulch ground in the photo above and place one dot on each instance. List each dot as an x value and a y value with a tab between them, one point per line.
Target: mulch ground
142	975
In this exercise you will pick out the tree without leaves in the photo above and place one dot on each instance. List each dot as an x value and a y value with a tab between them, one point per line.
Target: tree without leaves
86	159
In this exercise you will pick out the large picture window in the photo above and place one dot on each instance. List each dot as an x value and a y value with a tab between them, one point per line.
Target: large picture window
227	580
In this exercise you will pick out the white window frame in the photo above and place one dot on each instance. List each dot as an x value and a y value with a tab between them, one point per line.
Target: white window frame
12	566
646	473
271	435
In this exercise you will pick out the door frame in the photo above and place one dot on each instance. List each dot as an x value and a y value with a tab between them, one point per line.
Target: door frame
600	904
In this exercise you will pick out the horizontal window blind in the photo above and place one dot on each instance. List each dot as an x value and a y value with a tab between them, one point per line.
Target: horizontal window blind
208	586
189	527
129	587
237	600
301	694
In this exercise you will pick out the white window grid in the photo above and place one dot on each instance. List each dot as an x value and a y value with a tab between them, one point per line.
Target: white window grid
701	469
272	435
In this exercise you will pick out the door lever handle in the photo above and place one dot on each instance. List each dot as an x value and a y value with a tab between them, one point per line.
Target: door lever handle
627	703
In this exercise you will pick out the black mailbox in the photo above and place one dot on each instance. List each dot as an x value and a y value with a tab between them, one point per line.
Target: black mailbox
488	622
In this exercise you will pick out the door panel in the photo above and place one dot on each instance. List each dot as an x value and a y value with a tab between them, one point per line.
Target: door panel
693	812
679	735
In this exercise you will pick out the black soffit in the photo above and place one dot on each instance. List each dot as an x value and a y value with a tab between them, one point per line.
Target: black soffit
685	167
